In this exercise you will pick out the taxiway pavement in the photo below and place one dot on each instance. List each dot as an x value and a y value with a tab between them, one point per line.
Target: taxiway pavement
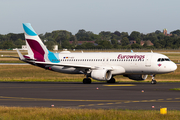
92	96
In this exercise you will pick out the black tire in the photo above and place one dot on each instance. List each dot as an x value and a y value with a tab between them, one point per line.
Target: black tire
112	80
153	82
87	81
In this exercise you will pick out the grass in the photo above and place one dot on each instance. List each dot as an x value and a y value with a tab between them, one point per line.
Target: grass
176	89
19	113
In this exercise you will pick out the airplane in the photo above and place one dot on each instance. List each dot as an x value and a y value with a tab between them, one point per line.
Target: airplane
99	66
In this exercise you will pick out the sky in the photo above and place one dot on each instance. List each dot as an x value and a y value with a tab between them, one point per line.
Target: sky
145	16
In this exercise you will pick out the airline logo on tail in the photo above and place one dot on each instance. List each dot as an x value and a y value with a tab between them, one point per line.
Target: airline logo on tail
36	48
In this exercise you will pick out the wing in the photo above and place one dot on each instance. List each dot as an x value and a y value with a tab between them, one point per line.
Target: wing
61	64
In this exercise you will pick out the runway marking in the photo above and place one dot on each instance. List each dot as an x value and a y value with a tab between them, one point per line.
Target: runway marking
160	99
81	105
2	98
100	104
45	87
120	85
106	102
135	101
169	99
126	102
91	105
118	103
177	98
109	103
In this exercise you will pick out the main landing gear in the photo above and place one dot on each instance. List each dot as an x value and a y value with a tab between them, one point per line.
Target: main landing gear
87	81
112	80
153	80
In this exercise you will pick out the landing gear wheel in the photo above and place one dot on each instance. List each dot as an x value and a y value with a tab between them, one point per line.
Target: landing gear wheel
153	79
87	81
153	82
112	80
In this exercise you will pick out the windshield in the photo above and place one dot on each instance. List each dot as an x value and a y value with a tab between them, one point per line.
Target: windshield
163	59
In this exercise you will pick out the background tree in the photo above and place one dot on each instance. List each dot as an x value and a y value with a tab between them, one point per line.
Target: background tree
66	44
135	46
82	35
124	41
157	31
8	44
104	44
138	40
124	34
135	35
177	32
105	35
117	33
18	43
50	45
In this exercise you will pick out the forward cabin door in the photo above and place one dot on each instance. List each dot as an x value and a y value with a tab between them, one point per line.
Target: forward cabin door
148	60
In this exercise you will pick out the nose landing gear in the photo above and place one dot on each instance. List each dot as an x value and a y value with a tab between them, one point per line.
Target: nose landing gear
153	79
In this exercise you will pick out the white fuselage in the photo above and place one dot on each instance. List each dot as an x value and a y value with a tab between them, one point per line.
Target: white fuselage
121	63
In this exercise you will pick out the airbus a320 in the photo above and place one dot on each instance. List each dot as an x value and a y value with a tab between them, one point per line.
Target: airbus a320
99	66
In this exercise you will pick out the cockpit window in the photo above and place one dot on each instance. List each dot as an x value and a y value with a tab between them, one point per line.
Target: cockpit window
159	59
163	59
166	59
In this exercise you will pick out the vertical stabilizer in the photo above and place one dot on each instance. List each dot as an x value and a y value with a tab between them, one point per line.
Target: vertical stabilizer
36	49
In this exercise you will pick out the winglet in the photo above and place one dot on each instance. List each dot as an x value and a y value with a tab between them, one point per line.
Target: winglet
20	55
132	51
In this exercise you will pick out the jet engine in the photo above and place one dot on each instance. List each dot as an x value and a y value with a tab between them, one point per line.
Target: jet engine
136	77
101	74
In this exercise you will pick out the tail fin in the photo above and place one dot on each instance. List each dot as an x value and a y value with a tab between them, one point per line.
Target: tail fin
36	48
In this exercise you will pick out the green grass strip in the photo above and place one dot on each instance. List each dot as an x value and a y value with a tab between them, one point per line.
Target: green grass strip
35	113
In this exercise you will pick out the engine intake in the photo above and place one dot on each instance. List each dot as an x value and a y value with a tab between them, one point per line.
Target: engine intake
101	74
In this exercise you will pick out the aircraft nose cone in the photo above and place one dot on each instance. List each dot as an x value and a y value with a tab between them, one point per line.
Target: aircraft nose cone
173	67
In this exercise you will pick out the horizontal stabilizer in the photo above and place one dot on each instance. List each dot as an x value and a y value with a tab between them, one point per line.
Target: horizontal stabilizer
20	55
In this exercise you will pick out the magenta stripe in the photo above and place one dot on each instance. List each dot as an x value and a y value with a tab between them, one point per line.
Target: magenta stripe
26	56
37	50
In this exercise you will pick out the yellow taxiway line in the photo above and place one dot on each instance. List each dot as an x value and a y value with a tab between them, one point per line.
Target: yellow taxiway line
120	85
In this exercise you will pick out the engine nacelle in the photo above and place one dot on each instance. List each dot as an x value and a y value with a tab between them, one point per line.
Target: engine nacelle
101	74
137	77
